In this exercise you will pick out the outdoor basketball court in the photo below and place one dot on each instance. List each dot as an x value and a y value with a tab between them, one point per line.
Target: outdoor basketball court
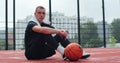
98	55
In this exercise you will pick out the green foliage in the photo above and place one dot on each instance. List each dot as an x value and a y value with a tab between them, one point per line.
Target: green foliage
89	35
76	38
112	41
115	29
89	30
2	44
95	43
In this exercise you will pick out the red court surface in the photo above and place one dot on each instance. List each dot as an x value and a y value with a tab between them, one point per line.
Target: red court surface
98	55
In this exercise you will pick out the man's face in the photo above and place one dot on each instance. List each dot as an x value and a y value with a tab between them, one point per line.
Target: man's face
40	14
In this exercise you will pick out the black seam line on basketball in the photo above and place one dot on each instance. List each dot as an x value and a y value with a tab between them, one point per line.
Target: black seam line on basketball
68	53
74	54
81	50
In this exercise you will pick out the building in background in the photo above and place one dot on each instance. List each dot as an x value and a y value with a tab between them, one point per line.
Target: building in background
20	31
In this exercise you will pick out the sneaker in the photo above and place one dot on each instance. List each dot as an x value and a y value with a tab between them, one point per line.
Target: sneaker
85	56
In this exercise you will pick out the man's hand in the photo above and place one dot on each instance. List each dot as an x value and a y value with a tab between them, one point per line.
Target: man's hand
63	34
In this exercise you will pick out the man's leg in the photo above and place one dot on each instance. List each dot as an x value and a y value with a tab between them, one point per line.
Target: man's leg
53	44
44	48
50	41
65	42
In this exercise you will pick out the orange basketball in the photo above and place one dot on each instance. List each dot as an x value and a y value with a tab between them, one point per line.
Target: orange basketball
73	52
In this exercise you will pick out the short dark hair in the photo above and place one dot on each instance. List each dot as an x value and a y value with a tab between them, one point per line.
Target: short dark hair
41	7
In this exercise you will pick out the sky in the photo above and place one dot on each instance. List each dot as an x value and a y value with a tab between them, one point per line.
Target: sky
88	8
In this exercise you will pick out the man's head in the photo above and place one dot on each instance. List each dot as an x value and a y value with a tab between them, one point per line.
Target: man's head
40	13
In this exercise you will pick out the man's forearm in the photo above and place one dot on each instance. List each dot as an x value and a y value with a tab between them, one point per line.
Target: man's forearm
45	30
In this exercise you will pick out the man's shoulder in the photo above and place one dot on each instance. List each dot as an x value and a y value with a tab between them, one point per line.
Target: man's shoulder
31	22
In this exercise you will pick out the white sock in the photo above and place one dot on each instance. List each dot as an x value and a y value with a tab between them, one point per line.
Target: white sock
60	49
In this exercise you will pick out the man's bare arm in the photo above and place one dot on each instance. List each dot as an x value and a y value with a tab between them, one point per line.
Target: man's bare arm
45	30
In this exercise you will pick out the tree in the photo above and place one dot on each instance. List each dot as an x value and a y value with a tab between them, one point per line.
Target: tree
95	43
89	35
2	44
115	29
112	41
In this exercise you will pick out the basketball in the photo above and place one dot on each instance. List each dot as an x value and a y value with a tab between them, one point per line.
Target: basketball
73	51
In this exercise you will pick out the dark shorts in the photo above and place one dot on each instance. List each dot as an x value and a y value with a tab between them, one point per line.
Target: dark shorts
39	52
41	47
45	47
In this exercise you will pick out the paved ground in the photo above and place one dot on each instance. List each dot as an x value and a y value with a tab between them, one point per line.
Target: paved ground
98	55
